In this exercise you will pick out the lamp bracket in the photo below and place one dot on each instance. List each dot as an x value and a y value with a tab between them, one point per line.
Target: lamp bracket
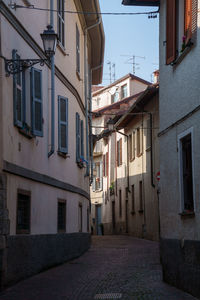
14	66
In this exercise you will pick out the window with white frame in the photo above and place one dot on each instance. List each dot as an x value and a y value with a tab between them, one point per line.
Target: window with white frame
148	134
186	170
139	141
132	146
124	91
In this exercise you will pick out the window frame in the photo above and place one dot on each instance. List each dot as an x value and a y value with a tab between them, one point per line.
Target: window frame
27	194
189	131
62	201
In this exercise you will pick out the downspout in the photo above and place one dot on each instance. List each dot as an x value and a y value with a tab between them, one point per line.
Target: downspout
86	89
52	89
151	144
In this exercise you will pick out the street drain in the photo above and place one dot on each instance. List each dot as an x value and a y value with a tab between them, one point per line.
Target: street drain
108	296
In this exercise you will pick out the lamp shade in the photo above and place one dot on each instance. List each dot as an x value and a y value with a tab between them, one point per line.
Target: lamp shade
110	124
49	38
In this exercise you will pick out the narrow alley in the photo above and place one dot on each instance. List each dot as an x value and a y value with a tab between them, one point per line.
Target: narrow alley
115	267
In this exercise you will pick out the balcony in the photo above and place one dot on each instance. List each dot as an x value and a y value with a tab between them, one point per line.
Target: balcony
141	2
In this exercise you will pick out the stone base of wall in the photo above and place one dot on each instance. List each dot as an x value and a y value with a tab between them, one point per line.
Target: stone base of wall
27	255
181	264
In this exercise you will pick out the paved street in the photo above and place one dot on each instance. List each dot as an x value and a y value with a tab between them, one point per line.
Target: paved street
115	267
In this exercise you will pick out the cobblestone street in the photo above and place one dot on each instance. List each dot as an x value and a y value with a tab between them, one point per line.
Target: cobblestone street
115	267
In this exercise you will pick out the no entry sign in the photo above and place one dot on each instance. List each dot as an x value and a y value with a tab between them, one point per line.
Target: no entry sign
158	175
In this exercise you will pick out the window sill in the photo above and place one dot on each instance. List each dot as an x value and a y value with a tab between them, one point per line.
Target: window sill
62	49
22	231
78	75
62	154
179	59
26	133
148	149
187	213
139	155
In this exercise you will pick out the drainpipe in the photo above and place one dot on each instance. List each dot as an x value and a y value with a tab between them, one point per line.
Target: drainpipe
151	141
86	88
52	90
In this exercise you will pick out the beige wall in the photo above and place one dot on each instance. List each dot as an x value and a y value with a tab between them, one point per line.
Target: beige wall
32	153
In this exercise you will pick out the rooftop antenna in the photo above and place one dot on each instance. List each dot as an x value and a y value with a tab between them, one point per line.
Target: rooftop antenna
132	61
110	74
113	67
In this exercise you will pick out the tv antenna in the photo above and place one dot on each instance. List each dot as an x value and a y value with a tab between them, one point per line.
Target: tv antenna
111	68
132	61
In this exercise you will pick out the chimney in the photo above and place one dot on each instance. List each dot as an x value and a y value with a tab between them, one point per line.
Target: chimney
156	76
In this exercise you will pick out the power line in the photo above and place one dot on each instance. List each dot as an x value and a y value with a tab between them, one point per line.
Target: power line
151	14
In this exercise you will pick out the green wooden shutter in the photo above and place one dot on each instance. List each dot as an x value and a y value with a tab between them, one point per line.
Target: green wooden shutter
77	137
62	124
101	175
36	93
82	139
18	93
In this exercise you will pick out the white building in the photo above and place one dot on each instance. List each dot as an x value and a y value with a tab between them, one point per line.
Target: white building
179	138
44	184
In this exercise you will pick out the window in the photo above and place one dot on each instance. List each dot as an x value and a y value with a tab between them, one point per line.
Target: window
133	198
97	184
181	25
186	171
132	146
61	215
119	152
79	140
140	197
148	131
139	141
23	212
61	22
77	50
124	91
120	203
80	217
62	124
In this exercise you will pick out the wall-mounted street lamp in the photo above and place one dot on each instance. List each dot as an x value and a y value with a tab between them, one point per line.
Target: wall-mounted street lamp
110	124
49	38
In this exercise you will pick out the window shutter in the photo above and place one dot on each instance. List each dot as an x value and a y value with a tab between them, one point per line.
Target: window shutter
18	94
36	93
171	31
82	139
107	164
77	137
120	145
190	26
94	180
62	124
101	176
118	153
77	50
104	166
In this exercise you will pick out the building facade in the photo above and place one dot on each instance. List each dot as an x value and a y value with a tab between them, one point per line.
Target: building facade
110	102
44	183
179	142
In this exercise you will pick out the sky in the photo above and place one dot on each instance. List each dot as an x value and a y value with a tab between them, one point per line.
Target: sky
126	36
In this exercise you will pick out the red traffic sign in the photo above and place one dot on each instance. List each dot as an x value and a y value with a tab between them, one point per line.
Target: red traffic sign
158	175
